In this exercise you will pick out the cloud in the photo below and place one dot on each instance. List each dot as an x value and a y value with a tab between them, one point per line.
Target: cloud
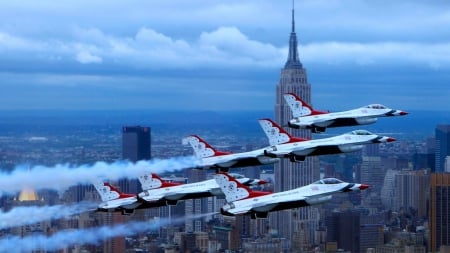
433	55
223	47
86	57
232	50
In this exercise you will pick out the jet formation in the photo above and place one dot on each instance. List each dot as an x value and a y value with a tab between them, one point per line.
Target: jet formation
237	189
158	192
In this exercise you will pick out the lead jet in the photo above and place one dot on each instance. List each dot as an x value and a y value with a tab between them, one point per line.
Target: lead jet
241	200
115	201
171	195
284	145
209	157
306	117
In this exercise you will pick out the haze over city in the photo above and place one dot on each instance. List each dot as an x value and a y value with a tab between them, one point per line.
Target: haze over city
102	106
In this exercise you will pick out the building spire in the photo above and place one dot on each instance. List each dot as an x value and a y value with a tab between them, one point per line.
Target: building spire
293	20
293	61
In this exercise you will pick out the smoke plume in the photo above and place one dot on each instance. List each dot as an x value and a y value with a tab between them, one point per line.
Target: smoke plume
60	177
67	238
20	216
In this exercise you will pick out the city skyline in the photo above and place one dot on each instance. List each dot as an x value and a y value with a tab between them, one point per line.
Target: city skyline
174	55
82	62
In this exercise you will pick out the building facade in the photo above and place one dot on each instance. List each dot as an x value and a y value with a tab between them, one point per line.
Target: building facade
439	216
136	146
344	228
442	146
289	175
136	143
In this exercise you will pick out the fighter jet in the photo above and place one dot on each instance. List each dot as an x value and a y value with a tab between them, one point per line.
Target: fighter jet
242	200
115	201
284	145
209	157
171	195
305	117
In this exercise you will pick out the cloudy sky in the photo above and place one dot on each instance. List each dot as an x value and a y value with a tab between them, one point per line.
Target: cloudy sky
221	55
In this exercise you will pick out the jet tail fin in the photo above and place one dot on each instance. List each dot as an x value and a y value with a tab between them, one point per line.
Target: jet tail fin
108	192
299	107
201	148
233	189
276	134
153	181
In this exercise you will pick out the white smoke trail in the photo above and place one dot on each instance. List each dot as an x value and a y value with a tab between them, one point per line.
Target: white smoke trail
20	216
60	177
67	238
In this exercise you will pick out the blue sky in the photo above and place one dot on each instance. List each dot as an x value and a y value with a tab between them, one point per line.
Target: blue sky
221	55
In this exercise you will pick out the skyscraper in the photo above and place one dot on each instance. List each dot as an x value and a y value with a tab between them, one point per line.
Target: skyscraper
442	146
290	175
135	147
410	191
136	143
439	212
195	206
344	228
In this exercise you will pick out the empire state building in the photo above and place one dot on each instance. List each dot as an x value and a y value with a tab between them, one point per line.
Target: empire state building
289	175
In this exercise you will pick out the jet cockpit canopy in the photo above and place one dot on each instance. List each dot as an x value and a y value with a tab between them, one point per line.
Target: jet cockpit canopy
236	175
330	180
360	132
376	106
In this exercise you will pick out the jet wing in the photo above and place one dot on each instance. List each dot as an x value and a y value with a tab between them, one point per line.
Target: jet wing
304	148
272	202
153	197
323	121
341	120
234	159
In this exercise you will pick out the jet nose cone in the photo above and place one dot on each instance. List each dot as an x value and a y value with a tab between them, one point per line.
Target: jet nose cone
390	139
401	113
363	186
261	182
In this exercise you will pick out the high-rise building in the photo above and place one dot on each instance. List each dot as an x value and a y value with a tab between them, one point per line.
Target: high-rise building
409	191
439	212
136	146
136	143
195	207
372	172
442	146
290	175
344	228
404	189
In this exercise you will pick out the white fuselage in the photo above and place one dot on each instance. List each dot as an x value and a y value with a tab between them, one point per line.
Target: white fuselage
338	144
307	195
186	191
124	203
250	158
360	116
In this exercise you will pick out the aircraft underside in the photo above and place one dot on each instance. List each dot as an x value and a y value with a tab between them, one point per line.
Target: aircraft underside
323	150
342	122
262	214
196	195
243	163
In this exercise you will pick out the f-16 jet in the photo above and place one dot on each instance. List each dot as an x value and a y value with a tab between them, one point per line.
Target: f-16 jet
242	200
306	117
209	157
206	188
115	201
284	145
